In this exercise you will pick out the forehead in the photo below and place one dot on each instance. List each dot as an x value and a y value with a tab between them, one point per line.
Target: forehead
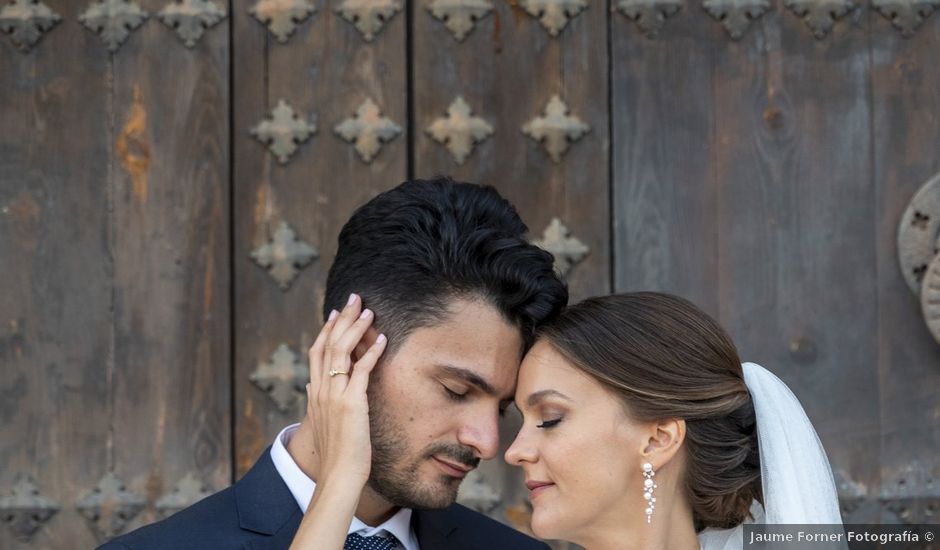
474	337
544	368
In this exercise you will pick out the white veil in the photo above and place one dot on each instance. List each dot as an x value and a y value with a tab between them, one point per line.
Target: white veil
795	475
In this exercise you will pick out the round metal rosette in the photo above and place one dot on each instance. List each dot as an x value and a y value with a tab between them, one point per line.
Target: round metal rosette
930	298
918	232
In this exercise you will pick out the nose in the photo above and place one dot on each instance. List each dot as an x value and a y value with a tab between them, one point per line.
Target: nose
520	451
481	433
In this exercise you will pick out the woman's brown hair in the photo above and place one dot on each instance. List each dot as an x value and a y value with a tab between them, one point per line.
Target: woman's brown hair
668	359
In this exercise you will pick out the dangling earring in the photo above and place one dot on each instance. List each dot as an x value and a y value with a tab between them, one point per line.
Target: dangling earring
648	486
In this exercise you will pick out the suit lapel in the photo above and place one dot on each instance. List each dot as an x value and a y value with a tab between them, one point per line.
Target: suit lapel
266	506
435	529
281	539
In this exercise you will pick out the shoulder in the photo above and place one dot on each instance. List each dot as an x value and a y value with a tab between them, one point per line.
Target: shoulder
478	530
210	523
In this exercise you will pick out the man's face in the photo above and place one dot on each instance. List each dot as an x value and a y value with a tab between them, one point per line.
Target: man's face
434	407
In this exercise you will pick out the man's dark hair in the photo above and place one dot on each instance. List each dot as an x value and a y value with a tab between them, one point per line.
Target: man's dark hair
413	249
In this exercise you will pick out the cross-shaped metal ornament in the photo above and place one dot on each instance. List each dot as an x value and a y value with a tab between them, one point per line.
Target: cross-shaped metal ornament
26	21
283	379
284	255
556	128
113	20
283	131
459	130
282	16
566	249
368	130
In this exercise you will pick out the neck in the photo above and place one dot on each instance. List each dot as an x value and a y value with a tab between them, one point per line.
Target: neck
373	509
671	528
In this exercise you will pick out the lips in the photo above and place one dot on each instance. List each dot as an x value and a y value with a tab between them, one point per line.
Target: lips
537	487
453	469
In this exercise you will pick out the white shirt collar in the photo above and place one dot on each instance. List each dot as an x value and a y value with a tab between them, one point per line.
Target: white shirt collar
302	487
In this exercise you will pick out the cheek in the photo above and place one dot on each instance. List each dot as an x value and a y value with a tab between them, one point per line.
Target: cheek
592	473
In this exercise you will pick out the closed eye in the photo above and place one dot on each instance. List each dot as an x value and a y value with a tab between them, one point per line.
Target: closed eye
549	423
454	396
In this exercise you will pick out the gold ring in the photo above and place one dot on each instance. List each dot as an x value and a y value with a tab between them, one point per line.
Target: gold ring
335	372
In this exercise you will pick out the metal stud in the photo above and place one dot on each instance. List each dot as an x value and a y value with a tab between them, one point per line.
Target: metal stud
25	510
282	16
820	15
191	18
930	297
459	130
459	16
368	130
26	21
906	15
649	15
736	15
284	255
566	249
283	379
283	131
918	232
188	491
113	20
110	507
368	16
556	128
554	14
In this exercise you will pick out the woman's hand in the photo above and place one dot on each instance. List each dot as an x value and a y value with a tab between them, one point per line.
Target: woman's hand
337	406
338	414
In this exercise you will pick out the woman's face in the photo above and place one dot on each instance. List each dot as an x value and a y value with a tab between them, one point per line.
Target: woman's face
581	454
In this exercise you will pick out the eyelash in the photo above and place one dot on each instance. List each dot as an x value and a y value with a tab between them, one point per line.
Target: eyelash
454	396
548	423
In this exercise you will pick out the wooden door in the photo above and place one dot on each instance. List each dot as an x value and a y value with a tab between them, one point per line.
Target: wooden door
171	190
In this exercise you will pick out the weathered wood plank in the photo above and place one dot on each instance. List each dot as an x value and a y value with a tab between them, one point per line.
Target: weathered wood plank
906	132
326	70
664	190
797	222
507	70
170	243
55	318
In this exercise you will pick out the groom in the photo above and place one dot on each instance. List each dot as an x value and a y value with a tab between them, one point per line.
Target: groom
458	292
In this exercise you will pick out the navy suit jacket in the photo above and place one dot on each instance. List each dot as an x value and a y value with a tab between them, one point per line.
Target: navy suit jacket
260	513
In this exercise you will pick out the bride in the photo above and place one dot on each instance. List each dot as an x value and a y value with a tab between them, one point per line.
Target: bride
641	429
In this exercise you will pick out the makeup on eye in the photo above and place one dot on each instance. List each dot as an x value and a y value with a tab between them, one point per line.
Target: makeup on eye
549	423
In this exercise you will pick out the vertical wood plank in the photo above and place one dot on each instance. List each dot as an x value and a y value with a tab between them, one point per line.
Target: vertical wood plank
55	334
325	71
906	132
665	194
170	243
507	69
796	223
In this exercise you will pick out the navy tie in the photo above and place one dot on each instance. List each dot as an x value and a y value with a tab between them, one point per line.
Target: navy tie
354	541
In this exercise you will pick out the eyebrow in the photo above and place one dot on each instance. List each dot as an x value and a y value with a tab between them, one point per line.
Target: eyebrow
470	377
539	396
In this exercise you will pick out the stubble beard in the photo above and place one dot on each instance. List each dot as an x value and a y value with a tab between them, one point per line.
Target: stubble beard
395	476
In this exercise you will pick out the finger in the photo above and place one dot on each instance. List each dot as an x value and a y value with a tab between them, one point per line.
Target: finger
348	316
341	358
359	378
315	353
346	343
319	369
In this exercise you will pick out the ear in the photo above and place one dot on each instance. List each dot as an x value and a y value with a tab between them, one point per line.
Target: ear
663	441
367	340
